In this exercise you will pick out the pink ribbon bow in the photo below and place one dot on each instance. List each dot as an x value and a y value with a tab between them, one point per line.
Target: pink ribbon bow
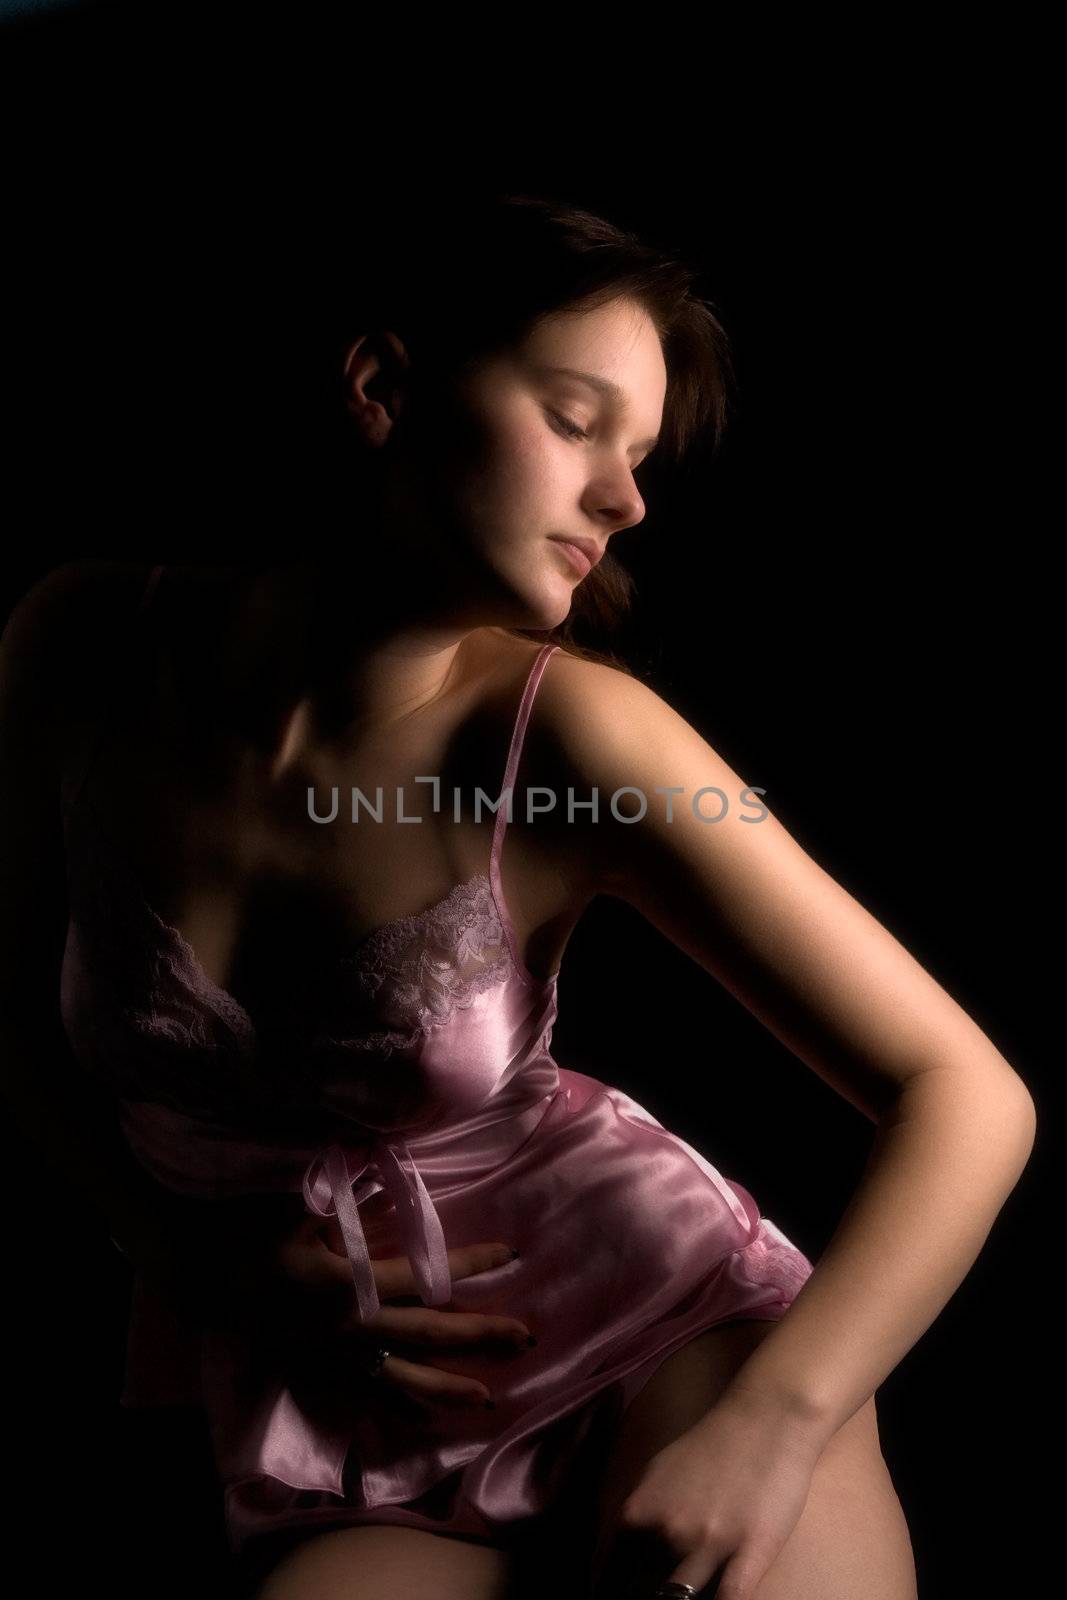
329	1192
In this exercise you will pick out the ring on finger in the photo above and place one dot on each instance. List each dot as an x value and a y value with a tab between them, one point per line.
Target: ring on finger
377	1361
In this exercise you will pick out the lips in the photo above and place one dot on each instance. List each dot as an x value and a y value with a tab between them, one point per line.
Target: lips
584	553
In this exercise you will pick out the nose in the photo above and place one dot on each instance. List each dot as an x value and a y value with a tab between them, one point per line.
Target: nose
622	510
617	506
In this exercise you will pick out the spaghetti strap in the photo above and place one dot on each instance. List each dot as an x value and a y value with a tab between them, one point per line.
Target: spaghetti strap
506	799
78	786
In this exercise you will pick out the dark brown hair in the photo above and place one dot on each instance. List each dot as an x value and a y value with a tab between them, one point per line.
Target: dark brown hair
476	279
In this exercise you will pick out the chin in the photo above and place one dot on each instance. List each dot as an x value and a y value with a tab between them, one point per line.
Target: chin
551	605
538	617
538	600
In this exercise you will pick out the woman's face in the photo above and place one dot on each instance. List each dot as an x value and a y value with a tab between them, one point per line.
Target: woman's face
522	455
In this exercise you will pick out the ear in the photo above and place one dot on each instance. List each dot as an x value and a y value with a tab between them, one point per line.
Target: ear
374	387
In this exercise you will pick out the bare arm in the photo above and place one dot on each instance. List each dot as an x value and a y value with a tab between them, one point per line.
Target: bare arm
955	1122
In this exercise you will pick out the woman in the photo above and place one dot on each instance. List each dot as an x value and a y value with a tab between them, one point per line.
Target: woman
328	1043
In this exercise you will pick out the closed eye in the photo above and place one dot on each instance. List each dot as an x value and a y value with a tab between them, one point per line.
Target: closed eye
570	428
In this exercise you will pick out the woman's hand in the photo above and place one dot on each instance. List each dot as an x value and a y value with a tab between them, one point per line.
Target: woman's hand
721	1499
291	1289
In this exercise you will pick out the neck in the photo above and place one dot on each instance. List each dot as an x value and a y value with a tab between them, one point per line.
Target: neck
307	657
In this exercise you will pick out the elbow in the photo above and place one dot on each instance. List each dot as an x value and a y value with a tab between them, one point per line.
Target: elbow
1018	1114
1028	1115
998	1102
1020	1103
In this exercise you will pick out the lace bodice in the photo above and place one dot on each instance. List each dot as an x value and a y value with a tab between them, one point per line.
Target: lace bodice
402	979
426	1022
420	969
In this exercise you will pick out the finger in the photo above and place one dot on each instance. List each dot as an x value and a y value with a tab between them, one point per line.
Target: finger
394	1275
429	1383
701	1566
631	1561
333	1371
440	1330
467	1259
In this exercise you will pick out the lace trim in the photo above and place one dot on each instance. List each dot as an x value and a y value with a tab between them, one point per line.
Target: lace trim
419	970
442	918
133	946
403	978
765	1260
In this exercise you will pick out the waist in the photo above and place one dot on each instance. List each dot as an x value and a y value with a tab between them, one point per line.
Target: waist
194	1156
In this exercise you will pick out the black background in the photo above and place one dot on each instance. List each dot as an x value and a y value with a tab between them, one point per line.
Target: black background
854	606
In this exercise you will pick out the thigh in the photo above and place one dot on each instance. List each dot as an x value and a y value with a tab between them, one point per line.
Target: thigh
380	1562
852	1537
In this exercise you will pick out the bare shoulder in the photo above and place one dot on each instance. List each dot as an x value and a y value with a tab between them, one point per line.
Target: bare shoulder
599	716
576	691
568	681
605	731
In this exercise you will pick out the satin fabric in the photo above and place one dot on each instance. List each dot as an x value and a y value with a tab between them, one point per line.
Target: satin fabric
456	1118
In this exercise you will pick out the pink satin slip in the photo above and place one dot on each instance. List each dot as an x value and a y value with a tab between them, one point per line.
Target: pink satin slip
418	1069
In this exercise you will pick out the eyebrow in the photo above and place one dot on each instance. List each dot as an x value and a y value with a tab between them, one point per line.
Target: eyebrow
603	386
